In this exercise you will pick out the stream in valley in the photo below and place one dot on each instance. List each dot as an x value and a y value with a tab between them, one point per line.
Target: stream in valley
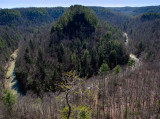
10	79
12	84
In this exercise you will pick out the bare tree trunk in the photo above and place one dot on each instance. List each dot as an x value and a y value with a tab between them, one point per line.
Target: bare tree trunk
104	96
69	107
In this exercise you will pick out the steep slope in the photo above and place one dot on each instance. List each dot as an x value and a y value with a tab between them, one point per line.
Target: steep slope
145	35
75	20
77	42
134	11
115	19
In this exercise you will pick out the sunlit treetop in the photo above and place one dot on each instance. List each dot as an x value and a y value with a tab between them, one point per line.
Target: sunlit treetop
76	18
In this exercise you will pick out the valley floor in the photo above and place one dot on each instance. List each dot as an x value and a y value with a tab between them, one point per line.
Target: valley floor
10	81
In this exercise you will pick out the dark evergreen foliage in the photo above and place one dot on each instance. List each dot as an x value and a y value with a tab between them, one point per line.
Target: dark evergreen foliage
78	42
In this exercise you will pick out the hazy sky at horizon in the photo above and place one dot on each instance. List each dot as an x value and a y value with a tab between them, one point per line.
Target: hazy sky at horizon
66	3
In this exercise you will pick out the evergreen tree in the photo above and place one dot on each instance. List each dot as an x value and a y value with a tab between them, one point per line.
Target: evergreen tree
73	58
117	69
9	100
104	69
101	55
79	66
93	60
86	57
62	49
86	62
113	58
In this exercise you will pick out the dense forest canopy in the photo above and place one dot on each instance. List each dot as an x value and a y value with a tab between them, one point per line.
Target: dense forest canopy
150	16
78	43
142	10
75	19
7	16
134	11
32	15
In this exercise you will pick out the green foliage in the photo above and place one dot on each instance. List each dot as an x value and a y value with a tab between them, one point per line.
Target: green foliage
31	44
149	9
114	45
108	35
94	58
62	49
85	44
104	69
34	14
113	57
78	10
102	13
127	111
84	113
38	100
56	12
150	56
6	54
141	47
73	58
108	115
117	69
53	27
74	20
8	98
101	53
1	43
55	74
22	76
150	16
86	62
131	62
86	56
27	58
64	113
59	27
79	68
61	52
2	69
76	43
79	112
71	46
27	50
40	54
107	26
8	15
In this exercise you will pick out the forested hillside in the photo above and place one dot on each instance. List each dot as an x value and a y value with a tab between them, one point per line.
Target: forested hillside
77	42
80	62
134	11
143	30
146	39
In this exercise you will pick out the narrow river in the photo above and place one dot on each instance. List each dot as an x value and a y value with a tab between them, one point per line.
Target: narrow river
10	81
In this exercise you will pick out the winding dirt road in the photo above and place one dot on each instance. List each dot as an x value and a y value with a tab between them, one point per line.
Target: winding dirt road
132	56
126	38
